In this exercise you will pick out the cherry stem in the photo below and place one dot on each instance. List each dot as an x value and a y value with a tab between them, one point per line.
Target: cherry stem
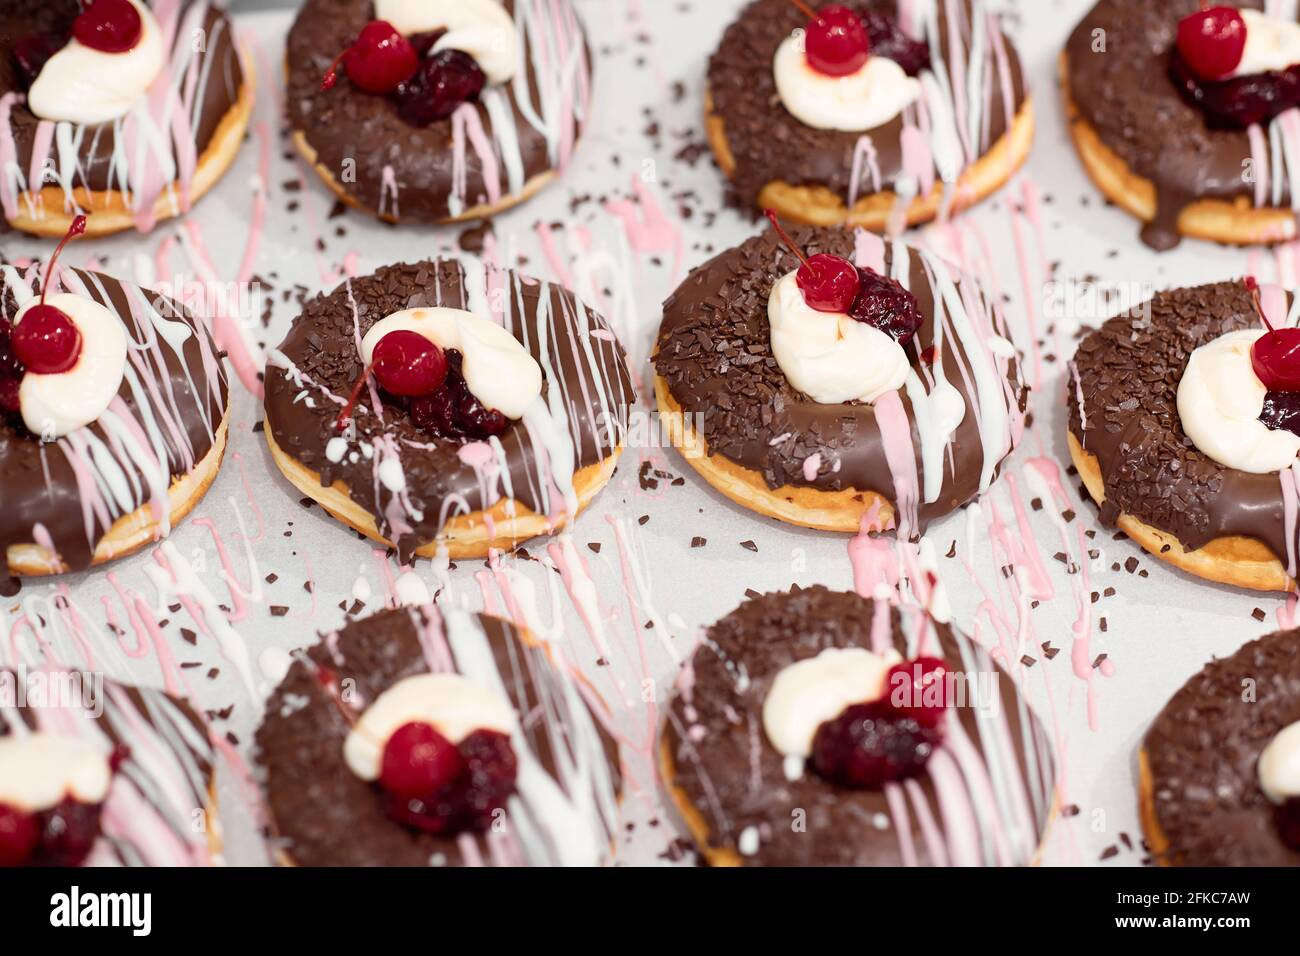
332	74
1252	286
806	10
77	228
345	416
785	237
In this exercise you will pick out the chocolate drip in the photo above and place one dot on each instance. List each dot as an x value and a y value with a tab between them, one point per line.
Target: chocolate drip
1124	92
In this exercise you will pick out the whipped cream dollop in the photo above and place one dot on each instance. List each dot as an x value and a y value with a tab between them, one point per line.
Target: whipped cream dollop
1272	44
54	405
454	705
1279	765
497	368
481	28
83	85
812	691
863	100
1220	399
40	770
827	355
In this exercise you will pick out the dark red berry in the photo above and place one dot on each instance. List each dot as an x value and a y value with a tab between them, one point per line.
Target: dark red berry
1282	411
408	364
1211	41
490	772
887	306
19	835
443	82
1287	819
33	51
886	38
828	283
68	833
835	41
110	26
869	745
9	403
917	689
379	61
418	761
1239	102
453	412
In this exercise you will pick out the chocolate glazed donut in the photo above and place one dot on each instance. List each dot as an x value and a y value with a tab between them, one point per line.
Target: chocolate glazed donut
87	165
164	781
327	816
728	779
95	495
829	176
497	152
715	364
1152	152
1199	787
1128	443
586	385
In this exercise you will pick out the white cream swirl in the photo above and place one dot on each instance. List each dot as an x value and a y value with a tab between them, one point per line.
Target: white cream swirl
812	691
1279	765
454	705
481	28
83	85
1272	44
1220	399
828	356
39	770
54	405
497	368
863	100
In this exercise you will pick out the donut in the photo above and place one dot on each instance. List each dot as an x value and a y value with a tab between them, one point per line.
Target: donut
1186	155
820	728
103	458
130	136
923	133
514	766
1219	769
97	773
787	430
1168	431
469	108
541	377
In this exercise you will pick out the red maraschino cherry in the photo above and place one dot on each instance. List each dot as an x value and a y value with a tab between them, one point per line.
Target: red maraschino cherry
914	679
835	40
828	283
408	364
46	341
1275	356
109	26
379	61
1211	41
19	836
418	761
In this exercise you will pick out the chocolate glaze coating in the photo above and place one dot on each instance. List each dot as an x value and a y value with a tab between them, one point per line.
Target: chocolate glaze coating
178	742
38	483
1204	749
577	347
735	778
347	126
770	144
1126	95
323	812
715	353
96	153
1128	375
